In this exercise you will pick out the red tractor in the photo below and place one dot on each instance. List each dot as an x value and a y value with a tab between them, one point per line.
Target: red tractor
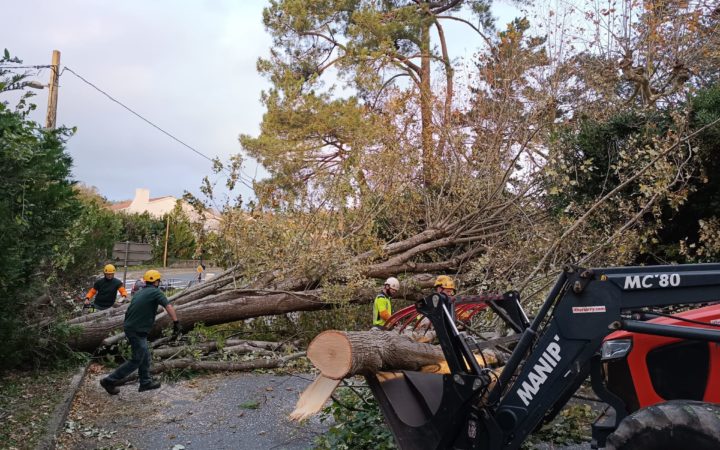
659	373
645	370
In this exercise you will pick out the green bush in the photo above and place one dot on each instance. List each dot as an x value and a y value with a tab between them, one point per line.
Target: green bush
37	207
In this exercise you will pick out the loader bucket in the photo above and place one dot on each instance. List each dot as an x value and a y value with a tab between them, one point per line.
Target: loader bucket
427	410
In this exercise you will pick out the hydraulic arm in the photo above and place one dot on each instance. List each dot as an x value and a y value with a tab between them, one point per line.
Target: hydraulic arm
473	408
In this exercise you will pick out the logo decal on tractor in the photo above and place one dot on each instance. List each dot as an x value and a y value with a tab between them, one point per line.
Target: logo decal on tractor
662	280
588	309
540	371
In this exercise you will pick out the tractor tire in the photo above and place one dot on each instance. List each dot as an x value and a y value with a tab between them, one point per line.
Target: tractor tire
677	424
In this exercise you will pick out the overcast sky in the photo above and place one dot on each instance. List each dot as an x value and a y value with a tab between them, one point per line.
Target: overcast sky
187	66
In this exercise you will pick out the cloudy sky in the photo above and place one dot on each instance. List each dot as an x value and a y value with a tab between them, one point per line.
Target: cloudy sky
187	66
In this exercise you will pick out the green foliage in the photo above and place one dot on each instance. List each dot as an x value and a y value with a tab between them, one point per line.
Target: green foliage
359	424
695	225
141	227
182	240
322	146
38	207
571	426
593	157
593	154
89	240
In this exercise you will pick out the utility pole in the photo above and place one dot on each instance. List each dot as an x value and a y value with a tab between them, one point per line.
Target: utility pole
53	93
167	235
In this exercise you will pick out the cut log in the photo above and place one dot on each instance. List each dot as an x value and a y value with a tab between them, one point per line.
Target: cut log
340	354
225	366
314	396
218	366
230	346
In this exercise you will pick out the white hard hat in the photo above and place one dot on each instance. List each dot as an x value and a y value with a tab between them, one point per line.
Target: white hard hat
393	283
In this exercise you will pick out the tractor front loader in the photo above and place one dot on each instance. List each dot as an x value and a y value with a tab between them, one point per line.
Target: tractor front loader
566	342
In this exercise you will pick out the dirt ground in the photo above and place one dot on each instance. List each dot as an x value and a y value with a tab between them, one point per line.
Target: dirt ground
234	411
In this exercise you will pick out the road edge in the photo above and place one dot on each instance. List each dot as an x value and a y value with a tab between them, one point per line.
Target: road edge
57	420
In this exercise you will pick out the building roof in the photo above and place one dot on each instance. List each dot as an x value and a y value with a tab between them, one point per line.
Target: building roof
126	203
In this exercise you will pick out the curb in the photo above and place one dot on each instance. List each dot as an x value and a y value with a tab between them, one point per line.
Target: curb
57	420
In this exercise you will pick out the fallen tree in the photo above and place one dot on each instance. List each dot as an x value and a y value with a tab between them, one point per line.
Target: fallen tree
218	304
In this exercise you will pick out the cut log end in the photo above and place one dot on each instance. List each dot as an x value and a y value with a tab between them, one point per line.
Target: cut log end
331	353
314	397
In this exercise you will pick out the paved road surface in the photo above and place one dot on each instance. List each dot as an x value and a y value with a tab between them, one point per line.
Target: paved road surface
236	411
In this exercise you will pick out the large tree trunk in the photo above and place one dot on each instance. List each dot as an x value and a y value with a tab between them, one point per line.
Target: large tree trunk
223	307
426	110
340	354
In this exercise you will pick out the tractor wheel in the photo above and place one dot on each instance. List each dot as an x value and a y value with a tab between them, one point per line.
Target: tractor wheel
677	424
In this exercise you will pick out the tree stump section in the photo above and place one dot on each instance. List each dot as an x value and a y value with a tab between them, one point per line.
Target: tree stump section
341	354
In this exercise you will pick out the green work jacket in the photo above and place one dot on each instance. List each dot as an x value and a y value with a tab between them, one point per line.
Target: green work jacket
140	315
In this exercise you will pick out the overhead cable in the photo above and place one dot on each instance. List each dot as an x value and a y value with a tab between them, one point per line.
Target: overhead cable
198	152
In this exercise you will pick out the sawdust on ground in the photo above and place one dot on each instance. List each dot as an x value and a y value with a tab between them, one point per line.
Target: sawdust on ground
233	411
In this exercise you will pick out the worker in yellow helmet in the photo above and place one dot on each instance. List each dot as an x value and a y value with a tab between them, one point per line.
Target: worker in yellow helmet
445	285
382	307
105	289
139	321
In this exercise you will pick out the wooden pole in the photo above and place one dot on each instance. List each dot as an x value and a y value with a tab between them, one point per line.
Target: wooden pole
51	117
167	234
127	250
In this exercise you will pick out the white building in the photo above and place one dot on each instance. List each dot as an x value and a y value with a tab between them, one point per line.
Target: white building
159	206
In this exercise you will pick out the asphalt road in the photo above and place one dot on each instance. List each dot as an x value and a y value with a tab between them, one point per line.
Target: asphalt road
235	411
176	277
240	411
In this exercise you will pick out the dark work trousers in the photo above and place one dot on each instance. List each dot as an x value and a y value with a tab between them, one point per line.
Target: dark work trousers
140	359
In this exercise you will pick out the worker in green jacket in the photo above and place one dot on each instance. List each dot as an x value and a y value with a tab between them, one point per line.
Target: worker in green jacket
139	320
382	307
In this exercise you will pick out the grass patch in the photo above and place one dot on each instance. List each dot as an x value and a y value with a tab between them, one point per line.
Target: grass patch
27	401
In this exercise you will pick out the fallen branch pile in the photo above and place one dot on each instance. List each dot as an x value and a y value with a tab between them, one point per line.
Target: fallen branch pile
233	355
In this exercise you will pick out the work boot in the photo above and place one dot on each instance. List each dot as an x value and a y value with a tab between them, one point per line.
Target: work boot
109	386
149	386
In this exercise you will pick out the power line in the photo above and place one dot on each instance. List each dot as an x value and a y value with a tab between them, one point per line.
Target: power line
198	152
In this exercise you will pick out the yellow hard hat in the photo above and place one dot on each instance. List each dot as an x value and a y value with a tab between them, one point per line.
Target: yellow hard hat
152	276
445	282
109	269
